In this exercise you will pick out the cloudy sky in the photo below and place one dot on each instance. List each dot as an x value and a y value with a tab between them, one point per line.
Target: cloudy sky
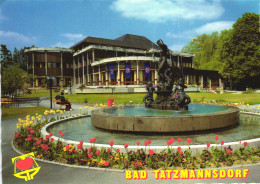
62	23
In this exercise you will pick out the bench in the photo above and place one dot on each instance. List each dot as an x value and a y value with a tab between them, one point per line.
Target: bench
58	102
6	101
27	100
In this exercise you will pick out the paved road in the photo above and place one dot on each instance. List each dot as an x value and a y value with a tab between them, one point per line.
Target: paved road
52	174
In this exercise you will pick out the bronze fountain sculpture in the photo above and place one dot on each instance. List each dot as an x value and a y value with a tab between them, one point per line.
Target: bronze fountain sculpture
167	98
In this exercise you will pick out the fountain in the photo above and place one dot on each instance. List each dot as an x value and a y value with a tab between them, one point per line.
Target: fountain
199	118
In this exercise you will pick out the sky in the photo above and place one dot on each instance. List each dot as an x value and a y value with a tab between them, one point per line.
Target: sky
63	23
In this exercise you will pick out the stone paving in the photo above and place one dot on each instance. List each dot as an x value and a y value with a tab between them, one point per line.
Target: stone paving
51	173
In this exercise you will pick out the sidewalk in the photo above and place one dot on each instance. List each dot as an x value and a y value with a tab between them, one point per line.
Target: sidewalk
50	173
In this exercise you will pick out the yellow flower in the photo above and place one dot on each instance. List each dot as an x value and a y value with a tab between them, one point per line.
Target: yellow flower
79	114
64	148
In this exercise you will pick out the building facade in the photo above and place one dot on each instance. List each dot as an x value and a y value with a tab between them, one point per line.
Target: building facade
127	60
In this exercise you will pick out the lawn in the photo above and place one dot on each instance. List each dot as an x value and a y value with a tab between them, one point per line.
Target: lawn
137	98
12	112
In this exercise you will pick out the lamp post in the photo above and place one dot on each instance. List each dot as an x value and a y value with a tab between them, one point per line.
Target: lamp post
49	85
70	86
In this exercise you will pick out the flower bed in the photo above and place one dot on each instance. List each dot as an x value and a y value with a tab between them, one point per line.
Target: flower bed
28	139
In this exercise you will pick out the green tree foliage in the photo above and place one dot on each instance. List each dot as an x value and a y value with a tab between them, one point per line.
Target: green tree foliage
6	56
13	79
20	58
204	47
239	52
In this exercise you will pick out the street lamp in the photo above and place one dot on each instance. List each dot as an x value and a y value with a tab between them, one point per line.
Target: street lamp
70	86
49	85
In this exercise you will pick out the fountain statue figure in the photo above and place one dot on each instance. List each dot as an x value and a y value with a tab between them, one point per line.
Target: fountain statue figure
167	98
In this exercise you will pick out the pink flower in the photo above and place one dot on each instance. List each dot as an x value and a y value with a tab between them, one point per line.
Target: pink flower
108	150
228	151
151	152
60	131
32	131
29	129
67	147
38	142
29	138
91	140
245	143
179	149
47	136
172	140
98	152
138	143
29	135
208	144
79	146
117	150
216	138
81	142
16	135
222	142
50	134
89	155
149	141
94	139
111	143
179	140
188	140
62	134
126	145
90	150
181	153
52	140
145	143
169	142
106	163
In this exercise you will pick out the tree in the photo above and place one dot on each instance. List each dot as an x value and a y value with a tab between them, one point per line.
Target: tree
239	53
13	79
6	56
20	58
204	47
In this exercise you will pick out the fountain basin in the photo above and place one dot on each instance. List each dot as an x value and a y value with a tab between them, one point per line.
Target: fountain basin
127	120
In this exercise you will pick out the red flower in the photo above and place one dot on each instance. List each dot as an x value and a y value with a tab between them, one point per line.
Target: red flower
179	149
179	140
29	138
181	153
47	136
188	140
29	129
245	143
222	142
52	140
98	152
91	140
111	143
169	142
138	143
38	142
60	131
228	151
32	131
145	143
50	134
216	138
151	152
81	142
208	144
67	147
108	150
79	146
106	163
29	135
117	150
16	135
62	134
90	150
89	155
94	139
172	140
126	145
149	141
